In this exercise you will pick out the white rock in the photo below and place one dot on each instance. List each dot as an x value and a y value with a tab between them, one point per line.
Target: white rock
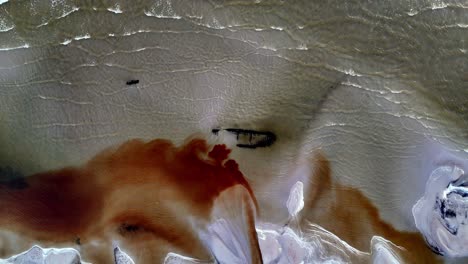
441	214
38	255
295	201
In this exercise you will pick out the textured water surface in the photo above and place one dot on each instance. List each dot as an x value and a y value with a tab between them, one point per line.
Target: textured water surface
380	88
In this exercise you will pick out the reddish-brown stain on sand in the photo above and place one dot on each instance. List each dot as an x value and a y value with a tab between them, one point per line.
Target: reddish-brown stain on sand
79	202
55	203
64	204
349	214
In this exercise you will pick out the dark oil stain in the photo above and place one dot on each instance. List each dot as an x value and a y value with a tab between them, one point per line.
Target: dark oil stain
11	178
133	82
129	228
248	138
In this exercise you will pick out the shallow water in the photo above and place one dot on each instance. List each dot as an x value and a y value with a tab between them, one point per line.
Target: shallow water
379	88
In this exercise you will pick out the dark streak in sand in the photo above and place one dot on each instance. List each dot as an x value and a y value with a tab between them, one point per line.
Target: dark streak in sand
253	139
132	82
